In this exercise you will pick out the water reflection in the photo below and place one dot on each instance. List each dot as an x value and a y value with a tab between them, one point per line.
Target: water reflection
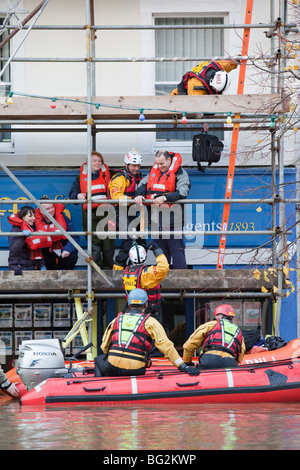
157	427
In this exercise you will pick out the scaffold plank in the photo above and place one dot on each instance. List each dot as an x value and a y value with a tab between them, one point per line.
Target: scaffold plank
209	280
129	107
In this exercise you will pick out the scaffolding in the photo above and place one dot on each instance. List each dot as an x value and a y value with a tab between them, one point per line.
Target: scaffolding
93	120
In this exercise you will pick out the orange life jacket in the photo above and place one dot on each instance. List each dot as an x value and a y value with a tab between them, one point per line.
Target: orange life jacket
160	183
35	243
99	186
43	226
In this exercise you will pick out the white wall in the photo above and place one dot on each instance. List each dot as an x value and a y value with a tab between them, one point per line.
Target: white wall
69	79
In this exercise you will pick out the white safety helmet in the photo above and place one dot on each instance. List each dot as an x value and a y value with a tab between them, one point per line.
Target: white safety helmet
137	254
133	158
220	81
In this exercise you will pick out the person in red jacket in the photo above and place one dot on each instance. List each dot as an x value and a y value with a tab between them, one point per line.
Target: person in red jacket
62	254
25	252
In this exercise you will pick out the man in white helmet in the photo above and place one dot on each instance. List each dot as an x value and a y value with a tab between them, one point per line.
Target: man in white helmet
207	78
122	186
147	277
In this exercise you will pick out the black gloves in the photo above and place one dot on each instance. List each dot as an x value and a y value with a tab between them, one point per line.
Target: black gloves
155	248
189	369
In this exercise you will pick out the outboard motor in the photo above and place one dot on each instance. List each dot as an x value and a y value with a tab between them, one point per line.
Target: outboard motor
40	360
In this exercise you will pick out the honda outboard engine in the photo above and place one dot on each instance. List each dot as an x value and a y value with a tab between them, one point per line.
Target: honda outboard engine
40	360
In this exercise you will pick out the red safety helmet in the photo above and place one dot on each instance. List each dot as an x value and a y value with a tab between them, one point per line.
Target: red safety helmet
225	309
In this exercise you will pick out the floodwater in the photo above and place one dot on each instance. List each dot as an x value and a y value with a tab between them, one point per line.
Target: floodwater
157	427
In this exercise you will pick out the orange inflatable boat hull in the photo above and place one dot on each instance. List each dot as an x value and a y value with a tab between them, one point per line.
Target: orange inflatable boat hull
254	356
273	382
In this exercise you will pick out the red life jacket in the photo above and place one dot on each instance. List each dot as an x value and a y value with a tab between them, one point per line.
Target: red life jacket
132	279
201	76
224	336
35	243
162	183
133	181
99	186
129	335
43	226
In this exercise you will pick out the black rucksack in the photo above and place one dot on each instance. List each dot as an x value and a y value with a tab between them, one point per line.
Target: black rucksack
206	148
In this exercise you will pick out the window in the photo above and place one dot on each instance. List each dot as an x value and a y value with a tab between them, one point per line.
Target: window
5	134
183	43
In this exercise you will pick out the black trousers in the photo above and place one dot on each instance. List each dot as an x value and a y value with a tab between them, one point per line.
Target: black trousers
214	361
54	262
103	368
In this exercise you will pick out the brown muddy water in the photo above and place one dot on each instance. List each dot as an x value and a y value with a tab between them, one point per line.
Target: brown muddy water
157	427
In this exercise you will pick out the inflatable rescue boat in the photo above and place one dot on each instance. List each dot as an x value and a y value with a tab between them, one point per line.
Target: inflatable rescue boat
47	381
255	355
259	383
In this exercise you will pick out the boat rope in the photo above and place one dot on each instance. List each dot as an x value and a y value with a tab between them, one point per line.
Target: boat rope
161	373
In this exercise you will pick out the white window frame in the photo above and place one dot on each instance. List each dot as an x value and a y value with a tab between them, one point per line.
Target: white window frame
7	147
230	10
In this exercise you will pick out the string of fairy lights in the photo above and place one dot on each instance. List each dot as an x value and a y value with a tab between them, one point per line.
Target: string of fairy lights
141	110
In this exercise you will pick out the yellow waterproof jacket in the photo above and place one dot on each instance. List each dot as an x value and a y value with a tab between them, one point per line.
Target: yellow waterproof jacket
226	65
153	275
156	332
123	185
197	339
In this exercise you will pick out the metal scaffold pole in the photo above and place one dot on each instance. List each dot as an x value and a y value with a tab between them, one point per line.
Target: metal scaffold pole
89	150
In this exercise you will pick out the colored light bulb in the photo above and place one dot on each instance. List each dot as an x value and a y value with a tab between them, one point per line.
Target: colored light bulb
142	117
229	120
53	104
9	99
184	119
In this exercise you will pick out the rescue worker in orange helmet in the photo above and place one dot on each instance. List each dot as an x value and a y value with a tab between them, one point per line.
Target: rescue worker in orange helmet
222	342
127	342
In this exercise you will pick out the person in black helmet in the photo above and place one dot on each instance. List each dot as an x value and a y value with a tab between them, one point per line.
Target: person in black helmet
127	342
222	341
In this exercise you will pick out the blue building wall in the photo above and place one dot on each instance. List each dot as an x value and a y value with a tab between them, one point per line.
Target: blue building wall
248	183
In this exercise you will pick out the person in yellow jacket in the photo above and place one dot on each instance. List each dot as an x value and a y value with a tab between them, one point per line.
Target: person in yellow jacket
122	186
222	342
127	342
207	78
147	277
